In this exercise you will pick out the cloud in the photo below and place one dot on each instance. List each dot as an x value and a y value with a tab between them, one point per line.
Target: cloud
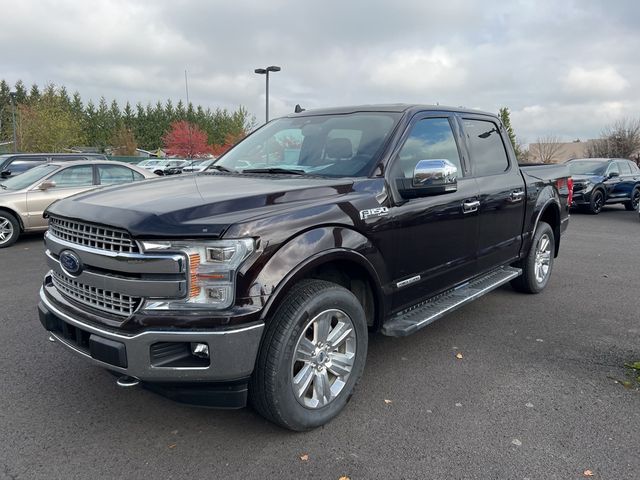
598	82
541	59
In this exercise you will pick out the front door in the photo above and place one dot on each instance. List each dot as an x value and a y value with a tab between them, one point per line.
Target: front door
68	181
434	245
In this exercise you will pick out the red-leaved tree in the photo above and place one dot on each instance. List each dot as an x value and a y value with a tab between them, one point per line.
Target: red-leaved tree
186	140
229	141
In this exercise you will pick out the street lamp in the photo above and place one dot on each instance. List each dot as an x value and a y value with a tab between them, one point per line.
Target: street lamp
12	96
265	71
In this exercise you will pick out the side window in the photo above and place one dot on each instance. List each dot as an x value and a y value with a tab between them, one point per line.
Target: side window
487	151
634	168
430	139
23	164
79	176
613	168
625	168
115	174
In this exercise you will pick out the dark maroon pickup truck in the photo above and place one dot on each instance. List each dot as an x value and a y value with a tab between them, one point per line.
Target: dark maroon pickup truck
261	278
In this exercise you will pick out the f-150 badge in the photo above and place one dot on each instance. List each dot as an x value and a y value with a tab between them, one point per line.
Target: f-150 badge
373	212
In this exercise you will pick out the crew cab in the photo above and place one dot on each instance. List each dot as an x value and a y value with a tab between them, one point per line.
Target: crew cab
260	278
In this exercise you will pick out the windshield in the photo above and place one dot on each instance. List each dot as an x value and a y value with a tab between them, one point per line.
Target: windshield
587	167
29	177
329	145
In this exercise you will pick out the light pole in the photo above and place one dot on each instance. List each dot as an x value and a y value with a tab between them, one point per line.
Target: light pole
265	71
12	96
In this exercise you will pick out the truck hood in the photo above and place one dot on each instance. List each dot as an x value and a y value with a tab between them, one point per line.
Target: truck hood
194	205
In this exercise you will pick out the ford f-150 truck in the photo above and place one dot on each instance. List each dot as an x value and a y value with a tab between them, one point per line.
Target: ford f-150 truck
260	278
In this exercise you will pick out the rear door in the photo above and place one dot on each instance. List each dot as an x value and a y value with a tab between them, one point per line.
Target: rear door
613	181
69	181
116	174
501	191
434	241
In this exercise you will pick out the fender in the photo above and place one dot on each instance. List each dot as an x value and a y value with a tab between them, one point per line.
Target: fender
548	197
311	249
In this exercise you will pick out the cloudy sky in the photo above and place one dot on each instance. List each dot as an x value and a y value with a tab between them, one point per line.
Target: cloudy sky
565	68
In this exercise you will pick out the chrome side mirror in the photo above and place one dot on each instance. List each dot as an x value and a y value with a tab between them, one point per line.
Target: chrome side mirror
46	185
430	177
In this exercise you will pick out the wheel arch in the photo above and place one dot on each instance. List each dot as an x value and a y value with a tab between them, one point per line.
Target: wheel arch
16	215
343	263
550	214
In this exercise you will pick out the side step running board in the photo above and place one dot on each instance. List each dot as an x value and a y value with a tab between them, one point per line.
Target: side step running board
421	315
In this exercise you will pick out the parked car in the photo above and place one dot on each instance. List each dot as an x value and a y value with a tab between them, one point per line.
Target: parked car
164	167
24	198
199	167
178	169
601	181
261	277
16	163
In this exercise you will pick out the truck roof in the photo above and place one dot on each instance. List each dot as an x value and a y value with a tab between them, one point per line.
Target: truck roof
392	107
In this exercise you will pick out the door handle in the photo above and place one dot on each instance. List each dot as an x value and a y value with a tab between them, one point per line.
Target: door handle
516	195
470	206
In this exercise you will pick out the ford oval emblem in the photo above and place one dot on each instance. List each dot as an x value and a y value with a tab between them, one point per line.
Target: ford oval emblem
70	262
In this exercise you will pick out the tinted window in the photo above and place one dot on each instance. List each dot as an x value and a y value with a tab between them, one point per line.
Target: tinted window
488	154
68	158
613	168
115	174
79	176
430	139
625	168
587	167
25	163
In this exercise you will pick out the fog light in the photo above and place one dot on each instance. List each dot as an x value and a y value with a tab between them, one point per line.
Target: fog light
200	350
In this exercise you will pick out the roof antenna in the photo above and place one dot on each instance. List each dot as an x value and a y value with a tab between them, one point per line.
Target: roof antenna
298	109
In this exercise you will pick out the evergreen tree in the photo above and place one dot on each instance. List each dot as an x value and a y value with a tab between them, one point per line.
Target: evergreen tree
34	95
76	105
128	117
21	92
505	117
64	97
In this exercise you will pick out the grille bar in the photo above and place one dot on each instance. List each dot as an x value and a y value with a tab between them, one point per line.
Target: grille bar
105	300
95	236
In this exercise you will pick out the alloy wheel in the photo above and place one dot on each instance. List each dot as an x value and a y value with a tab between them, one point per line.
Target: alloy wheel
543	258
323	358
6	230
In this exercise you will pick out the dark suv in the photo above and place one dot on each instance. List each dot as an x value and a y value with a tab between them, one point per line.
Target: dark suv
600	181
17	163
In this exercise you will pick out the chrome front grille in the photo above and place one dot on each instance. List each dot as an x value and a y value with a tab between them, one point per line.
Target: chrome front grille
94	236
104	300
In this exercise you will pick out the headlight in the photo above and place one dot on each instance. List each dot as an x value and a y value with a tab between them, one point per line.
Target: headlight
212	271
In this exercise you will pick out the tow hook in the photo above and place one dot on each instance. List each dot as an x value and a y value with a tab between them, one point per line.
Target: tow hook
126	381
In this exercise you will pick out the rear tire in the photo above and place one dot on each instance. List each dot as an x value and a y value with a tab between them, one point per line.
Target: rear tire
632	205
159	172
299	390
9	229
597	202
538	264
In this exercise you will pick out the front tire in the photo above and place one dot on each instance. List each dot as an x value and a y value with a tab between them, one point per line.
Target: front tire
597	202
9	229
632	205
538	264
312	355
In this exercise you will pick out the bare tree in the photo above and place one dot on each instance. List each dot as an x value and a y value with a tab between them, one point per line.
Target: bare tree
618	140
546	150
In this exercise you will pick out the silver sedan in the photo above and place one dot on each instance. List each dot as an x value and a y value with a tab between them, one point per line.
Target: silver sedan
24	198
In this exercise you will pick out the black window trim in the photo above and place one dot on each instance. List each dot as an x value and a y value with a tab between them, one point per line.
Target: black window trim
486	118
97	173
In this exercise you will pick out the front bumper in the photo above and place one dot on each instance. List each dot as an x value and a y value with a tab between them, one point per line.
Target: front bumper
232	351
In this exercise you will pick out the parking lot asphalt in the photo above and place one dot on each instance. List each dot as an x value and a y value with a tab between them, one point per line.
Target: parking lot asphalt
534	396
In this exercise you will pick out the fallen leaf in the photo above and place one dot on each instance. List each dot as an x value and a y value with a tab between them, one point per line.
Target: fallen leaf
458	404
304	457
528	405
173	445
344	477
459	356
174	432
388	401
588	473
516	442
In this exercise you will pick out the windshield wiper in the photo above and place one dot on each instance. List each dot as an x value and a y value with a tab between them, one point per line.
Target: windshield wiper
220	168
284	171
